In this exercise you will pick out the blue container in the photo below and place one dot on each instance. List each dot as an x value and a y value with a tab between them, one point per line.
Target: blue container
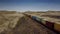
33	17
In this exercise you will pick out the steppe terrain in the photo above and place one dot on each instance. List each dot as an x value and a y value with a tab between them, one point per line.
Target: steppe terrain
8	20
12	22
53	16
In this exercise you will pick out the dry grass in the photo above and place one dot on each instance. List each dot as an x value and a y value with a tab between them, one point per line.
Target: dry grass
27	26
17	24
53	16
9	20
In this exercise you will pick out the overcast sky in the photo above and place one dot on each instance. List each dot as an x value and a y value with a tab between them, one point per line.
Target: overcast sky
24	5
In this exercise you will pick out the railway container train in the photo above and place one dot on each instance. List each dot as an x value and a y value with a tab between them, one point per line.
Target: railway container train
45	23
51	25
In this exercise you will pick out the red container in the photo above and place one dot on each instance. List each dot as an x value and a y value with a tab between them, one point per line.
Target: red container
50	24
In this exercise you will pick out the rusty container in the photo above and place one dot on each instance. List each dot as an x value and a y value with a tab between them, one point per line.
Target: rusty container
50	24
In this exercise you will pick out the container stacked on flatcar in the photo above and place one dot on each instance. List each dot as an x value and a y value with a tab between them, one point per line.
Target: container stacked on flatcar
33	17
57	26
51	25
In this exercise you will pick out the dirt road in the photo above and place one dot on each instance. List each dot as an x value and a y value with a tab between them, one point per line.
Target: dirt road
26	25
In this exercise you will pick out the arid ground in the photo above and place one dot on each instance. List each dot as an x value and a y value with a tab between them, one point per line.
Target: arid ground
18	23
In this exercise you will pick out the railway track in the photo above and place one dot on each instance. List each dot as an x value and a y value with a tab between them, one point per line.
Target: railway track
33	18
42	27
26	25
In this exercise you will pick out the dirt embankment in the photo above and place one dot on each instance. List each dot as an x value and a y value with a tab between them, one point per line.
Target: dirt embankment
26	25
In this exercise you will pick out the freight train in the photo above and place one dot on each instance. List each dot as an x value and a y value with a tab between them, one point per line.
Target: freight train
51	25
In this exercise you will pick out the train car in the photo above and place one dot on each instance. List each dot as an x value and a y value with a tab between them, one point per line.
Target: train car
33	17
50	24
44	22
57	27
40	20
36	18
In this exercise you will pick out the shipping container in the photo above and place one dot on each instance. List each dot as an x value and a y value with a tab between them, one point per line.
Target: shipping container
38	19
33	17
44	22
50	24
57	27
